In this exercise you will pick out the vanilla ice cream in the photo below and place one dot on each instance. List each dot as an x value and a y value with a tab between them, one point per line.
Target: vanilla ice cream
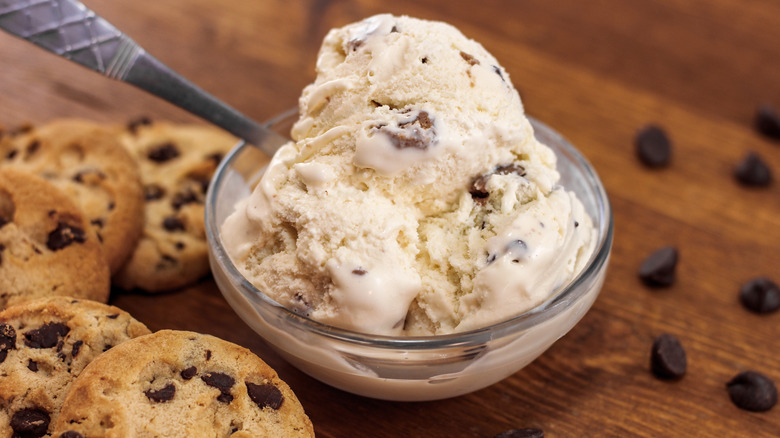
413	198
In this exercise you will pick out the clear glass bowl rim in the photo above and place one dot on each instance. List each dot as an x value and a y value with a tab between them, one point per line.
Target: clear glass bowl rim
560	300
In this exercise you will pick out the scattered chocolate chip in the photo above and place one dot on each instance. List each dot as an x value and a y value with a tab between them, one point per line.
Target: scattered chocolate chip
180	245
424	60
113	316
64	235
667	358
71	434
653	146
394	29
173	223
7	340
221	381
752	391
183	198
76	348
265	395
528	432
760	295
768	122
163	152
11	154
188	373
134	124
32	366
46	336
60	344
659	267
469	58
153	192
359	271
30	423
163	394
753	171
208	355
107	347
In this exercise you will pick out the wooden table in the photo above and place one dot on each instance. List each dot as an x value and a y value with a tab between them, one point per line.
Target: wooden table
597	71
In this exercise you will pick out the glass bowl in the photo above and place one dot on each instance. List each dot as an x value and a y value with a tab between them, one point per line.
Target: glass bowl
407	368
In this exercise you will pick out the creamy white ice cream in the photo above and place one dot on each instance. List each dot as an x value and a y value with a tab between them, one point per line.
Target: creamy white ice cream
413	198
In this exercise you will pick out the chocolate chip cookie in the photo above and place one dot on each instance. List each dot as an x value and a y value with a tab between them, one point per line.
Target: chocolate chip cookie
176	163
87	162
44	345
180	384
46	246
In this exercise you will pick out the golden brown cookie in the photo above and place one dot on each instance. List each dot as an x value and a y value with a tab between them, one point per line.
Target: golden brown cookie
177	163
44	345
46	246
181	384
88	163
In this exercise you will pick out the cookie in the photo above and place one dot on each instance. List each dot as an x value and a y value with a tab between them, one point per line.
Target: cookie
46	246
180	384
44	345
87	162
177	163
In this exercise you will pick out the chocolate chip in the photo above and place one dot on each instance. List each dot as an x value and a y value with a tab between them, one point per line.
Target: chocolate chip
30	423
359	271
768	122
653	146
32	366
760	295
216	157
7	340
265	395
188	373
173	223
163	152
76	348
208	355
84	175
478	188
113	316
180	245
752	391
32	147
667	359
163	394
659	267
64	235
468	58
498	72
221	381
137	123
46	336
71	434
415	134
528	432
183	198
11	154
153	192
424	60
753	171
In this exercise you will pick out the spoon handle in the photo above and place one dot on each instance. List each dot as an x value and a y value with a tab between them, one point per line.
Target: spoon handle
71	30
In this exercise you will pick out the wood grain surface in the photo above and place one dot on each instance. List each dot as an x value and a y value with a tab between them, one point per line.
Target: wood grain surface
597	71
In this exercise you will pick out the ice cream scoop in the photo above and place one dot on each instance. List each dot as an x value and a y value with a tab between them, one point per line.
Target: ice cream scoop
414	198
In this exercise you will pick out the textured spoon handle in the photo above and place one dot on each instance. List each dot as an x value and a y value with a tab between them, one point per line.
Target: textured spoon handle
69	29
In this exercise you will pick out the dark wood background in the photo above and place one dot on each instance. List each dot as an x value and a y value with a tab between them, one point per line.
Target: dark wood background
597	71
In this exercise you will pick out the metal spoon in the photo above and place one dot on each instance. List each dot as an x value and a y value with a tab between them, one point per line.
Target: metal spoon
71	30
